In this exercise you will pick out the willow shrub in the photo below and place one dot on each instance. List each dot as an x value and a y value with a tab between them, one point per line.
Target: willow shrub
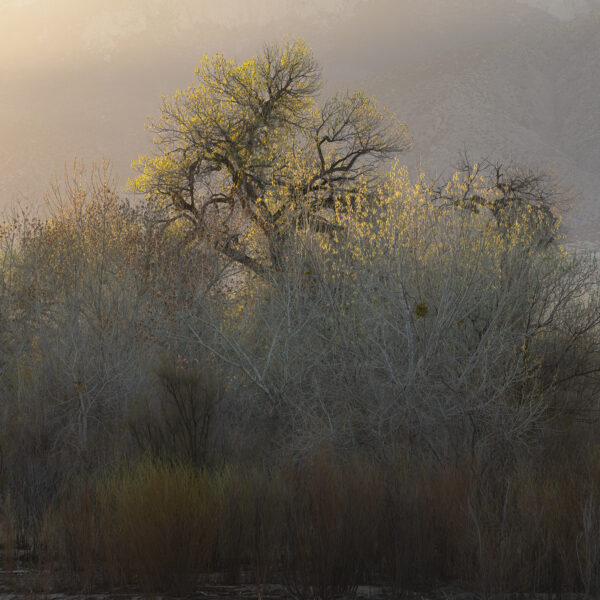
323	526
152	526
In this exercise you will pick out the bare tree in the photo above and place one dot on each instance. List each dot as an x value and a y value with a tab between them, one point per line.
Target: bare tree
507	192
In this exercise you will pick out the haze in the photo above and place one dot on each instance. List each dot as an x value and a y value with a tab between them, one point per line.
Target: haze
508	80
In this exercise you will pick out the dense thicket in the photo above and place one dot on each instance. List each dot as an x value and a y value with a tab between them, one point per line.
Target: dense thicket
408	395
420	373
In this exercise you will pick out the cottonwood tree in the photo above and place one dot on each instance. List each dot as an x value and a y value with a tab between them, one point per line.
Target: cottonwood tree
511	195
246	154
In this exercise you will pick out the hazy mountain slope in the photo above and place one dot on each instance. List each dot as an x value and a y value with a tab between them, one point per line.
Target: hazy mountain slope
565	9
532	98
66	33
61	34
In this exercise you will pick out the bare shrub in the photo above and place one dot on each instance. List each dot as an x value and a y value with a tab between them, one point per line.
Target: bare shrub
181	426
331	515
425	531
70	539
8	536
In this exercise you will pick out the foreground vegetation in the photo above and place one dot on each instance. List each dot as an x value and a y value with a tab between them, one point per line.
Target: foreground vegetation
388	382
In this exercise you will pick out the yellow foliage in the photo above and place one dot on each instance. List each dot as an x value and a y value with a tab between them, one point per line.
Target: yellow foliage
246	154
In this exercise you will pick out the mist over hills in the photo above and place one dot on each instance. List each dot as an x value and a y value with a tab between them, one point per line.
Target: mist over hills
531	99
506	79
564	9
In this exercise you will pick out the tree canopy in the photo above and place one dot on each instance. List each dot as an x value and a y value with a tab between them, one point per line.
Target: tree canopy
248	153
